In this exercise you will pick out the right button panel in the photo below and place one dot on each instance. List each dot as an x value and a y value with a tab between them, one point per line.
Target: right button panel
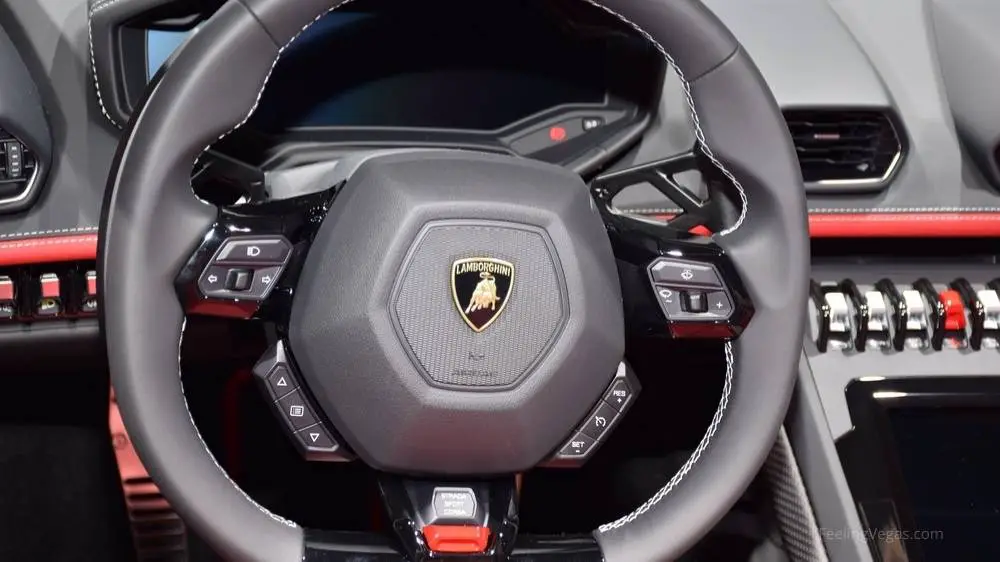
695	298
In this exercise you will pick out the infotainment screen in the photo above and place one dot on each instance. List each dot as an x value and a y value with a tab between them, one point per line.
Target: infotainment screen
923	464
950	460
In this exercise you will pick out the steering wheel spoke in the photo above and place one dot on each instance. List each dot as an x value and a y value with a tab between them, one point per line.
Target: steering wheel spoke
673	283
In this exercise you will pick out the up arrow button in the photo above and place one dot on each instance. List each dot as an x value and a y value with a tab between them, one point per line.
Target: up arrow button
280	382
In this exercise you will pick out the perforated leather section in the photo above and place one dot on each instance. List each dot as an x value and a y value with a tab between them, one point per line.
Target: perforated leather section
443	346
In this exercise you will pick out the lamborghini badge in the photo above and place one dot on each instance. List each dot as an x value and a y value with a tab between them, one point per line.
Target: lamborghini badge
480	288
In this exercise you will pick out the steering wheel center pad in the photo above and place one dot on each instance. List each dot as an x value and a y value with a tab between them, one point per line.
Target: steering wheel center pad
153	221
390	359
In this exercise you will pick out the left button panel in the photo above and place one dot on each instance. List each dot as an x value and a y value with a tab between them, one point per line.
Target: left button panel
236	276
292	404
245	268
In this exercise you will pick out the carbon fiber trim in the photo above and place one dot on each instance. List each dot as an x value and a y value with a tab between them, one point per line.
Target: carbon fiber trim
794	513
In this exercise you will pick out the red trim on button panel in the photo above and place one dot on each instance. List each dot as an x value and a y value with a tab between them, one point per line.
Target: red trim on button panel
896	225
465	539
51	249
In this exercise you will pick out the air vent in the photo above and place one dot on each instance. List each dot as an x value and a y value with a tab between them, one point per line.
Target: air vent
845	149
17	167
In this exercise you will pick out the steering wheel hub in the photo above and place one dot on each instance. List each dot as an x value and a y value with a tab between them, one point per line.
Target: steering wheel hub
432	314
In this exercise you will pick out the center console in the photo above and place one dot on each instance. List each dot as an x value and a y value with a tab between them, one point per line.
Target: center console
897	415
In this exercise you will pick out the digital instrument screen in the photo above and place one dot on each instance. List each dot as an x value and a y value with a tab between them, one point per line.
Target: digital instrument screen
421	68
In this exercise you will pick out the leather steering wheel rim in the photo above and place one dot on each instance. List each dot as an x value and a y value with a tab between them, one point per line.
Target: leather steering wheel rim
152	221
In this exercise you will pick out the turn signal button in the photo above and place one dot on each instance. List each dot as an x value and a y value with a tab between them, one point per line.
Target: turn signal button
462	539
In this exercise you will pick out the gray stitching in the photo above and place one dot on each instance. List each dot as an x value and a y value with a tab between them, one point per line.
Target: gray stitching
180	380
93	61
727	387
76	230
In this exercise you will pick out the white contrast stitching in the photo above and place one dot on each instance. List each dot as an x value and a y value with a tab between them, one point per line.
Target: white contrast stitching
93	61
693	459
727	387
44	242
180	380
76	230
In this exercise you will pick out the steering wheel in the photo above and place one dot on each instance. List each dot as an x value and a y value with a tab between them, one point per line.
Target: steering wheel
451	316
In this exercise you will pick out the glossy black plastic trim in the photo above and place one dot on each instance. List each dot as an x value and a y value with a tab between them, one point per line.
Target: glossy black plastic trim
861	313
816	294
329	546
901	314
638	241
935	313
408	504
977	312
297	220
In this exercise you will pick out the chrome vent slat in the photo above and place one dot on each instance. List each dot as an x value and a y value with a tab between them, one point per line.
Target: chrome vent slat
844	147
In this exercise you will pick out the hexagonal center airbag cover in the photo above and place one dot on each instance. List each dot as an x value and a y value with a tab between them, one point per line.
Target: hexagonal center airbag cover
458	313
496	344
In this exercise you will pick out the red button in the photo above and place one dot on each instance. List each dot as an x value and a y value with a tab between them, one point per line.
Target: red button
457	538
50	286
954	311
6	289
91	283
